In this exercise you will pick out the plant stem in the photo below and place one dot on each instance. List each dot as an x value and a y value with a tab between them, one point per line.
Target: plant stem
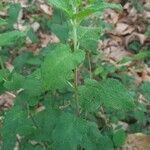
90	66
75	41
75	47
76	91
75	37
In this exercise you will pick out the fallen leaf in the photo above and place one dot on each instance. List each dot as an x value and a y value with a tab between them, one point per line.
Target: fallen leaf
137	141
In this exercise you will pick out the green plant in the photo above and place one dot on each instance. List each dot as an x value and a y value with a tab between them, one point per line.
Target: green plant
71	106
138	5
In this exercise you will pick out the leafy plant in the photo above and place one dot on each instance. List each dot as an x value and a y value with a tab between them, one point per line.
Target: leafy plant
138	5
69	105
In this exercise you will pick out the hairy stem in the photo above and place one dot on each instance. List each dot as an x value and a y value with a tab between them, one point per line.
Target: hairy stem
75	47
90	66
75	37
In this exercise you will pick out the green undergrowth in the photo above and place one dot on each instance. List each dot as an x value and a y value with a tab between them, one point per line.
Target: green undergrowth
82	100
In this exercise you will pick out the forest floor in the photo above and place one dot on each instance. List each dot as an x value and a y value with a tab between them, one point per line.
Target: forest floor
128	38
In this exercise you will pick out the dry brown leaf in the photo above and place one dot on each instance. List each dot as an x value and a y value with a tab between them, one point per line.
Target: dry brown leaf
123	29
113	49
146	73
135	37
35	26
24	3
47	39
46	9
111	16
6	100
137	141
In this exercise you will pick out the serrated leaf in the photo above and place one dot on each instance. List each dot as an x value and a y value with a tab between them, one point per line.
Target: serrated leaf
10	37
3	22
58	66
15	83
46	121
66	135
13	12
61	31
31	93
31	86
119	137
72	132
109	93
59	25
89	97
22	60
88	38
96	141
63	5
16	122
115	95
138	5
99	6
145	90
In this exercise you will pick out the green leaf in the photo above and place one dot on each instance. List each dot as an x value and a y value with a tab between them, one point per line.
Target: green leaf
16	122
88	38
4	73
3	22
29	146
46	122
15	83
66	134
10	37
32	36
58	66
66	131
109	93
115	95
22	60
89	96
99	6
59	25
119	137
138	5
63	5
1	78
2	88
13	12
145	90
135	46
61	31
105	70
30	85
32	88
72	132
141	56
95	140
